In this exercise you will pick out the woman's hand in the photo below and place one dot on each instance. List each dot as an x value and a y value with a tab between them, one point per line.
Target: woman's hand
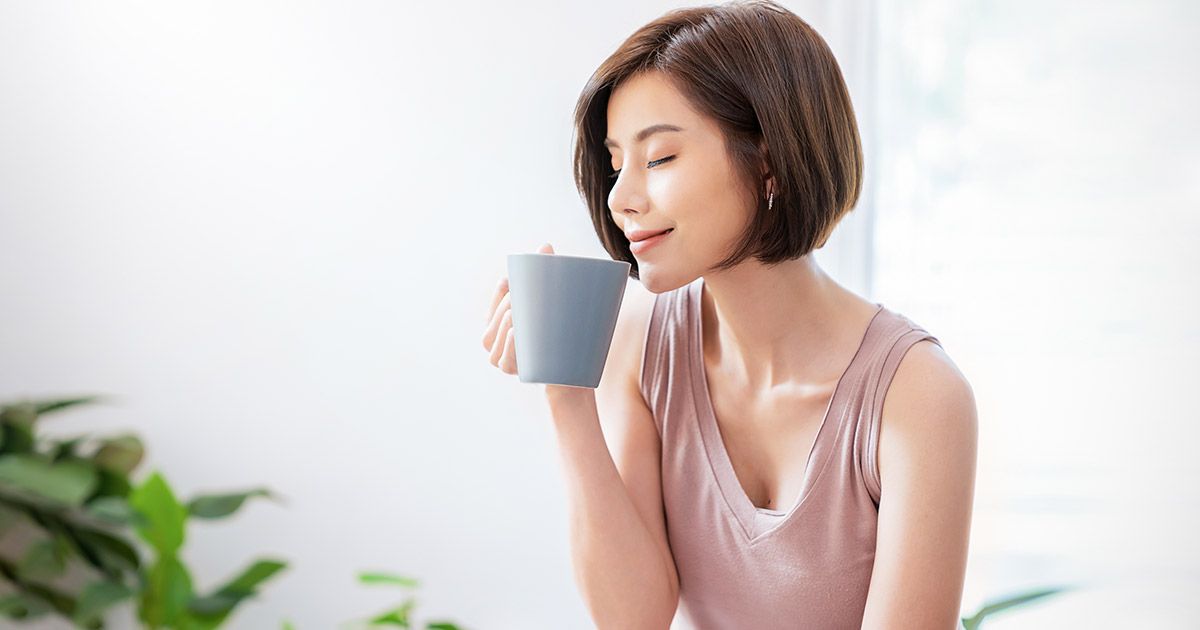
498	340
498	336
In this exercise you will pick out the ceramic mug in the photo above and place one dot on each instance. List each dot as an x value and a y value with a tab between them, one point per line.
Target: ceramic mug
564	312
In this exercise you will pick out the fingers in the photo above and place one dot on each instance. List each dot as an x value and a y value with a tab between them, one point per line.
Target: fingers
489	335
501	337
500	292
508	358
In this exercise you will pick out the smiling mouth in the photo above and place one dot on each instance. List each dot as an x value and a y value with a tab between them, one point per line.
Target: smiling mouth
666	231
639	247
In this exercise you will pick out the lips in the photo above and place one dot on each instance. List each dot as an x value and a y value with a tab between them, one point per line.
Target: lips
641	235
647	240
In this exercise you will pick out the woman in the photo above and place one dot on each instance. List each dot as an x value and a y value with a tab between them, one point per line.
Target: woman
781	453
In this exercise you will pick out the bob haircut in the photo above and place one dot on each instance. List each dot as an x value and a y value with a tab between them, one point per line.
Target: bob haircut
770	82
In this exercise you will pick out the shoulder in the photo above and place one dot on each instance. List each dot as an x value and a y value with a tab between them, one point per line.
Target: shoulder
927	456
928	379
928	410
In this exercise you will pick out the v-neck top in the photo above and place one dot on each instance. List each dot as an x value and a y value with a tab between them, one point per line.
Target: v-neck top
742	566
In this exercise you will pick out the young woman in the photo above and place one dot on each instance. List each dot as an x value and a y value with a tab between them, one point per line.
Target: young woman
766	449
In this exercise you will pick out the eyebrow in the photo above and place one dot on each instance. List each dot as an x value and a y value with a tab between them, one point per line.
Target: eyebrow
645	133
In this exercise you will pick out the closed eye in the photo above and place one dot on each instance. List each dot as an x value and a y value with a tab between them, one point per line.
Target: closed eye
650	165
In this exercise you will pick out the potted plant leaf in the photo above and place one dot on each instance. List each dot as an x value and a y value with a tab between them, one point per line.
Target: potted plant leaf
77	536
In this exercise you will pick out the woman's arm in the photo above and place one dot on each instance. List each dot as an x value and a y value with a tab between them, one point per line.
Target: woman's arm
927	452
610	451
619	547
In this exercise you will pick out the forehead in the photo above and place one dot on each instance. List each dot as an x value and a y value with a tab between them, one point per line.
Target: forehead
643	100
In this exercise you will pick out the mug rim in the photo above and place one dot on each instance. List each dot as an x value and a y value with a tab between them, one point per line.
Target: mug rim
603	260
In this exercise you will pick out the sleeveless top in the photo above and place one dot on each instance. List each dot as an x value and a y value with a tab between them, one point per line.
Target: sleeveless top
741	566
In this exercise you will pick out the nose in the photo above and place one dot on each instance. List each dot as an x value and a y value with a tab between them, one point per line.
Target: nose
626	196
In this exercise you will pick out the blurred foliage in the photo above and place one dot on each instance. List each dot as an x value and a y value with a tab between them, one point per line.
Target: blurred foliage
77	494
999	605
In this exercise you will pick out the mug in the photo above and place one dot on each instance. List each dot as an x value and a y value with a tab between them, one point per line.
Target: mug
564	312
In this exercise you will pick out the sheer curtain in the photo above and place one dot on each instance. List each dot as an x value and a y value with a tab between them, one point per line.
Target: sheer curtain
1035	206
847	26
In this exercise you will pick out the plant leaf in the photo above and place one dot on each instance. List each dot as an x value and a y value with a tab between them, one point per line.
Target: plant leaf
64	449
387	578
120	454
23	606
164	518
212	610
89	553
115	510
257	573
97	597
396	616
392	618
165	595
214	506
43	561
59	601
115	553
9	516
18	437
22	414
47	406
993	607
68	482
228	596
25	412
441	625
112	484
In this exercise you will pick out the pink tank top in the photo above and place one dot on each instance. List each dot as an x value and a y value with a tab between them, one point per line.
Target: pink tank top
741	566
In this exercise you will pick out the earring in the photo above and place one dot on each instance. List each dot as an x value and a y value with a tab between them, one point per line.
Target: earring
770	199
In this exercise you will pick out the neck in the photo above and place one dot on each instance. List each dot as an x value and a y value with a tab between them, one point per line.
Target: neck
783	325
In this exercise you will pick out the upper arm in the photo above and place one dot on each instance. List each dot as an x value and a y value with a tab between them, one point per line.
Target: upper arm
627	422
927	454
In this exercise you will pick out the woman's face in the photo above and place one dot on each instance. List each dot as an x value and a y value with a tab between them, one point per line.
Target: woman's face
672	179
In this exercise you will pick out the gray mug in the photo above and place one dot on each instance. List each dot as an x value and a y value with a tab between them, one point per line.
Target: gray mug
564	312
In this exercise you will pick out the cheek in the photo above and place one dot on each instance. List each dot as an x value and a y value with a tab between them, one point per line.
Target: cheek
701	194
680	186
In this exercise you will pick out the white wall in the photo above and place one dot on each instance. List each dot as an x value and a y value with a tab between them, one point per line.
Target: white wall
270	231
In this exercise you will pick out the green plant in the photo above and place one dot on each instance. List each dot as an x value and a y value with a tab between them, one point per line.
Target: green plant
167	596
399	615
75	505
974	621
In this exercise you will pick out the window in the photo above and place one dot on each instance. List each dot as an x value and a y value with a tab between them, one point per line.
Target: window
1036	186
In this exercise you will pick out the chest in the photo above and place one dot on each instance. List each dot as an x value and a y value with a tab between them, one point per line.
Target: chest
769	439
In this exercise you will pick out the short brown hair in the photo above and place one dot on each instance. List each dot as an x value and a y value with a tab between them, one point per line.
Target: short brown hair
768	79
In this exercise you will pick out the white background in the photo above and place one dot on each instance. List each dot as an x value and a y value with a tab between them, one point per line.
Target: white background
270	231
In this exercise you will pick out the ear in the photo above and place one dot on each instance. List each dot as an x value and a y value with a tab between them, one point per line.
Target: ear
768	179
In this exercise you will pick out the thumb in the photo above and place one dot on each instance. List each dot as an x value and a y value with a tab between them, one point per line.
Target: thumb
546	248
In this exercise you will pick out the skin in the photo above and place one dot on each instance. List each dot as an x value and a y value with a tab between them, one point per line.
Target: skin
775	342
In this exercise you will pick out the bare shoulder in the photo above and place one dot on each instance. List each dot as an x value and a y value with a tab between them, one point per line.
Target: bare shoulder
926	464
929	403
927	375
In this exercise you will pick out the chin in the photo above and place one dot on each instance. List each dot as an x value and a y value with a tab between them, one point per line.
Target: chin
657	281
